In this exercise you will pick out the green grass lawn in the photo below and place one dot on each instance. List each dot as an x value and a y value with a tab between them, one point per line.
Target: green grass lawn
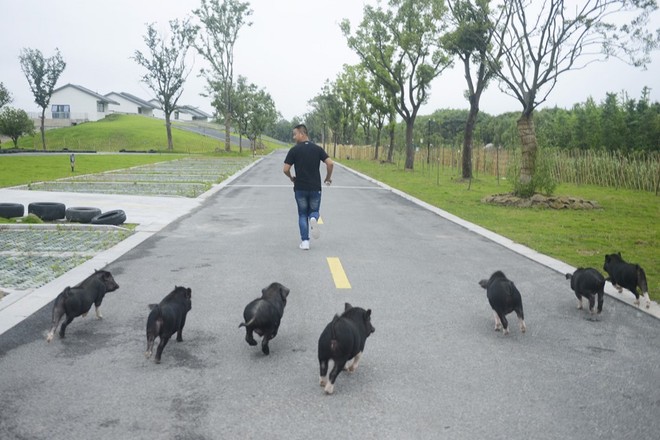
22	169
627	223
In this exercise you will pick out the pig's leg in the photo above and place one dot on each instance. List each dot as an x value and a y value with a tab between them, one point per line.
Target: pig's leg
323	365
600	300
355	362
264	343
249	337
65	324
179	334
592	303
504	323
498	323
579	306
58	312
521	320
161	345
648	299
98	312
150	345
336	369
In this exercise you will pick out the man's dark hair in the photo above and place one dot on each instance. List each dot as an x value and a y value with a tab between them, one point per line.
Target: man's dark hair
301	128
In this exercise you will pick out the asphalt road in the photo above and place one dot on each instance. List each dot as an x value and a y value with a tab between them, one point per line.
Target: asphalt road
434	368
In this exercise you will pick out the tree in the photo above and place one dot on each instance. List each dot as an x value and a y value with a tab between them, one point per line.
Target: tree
220	25
470	41
531	53
165	63
5	96
401	47
15	123
42	75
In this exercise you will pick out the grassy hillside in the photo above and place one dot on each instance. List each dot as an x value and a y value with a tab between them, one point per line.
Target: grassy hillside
124	132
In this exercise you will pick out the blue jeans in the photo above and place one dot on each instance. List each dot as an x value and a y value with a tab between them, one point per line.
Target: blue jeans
309	203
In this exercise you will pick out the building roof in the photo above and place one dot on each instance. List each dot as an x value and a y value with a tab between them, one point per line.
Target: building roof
194	111
134	99
87	91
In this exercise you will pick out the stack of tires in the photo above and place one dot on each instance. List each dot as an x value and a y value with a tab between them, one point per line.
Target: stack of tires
52	211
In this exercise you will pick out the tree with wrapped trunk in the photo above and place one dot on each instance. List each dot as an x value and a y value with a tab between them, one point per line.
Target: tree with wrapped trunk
165	63
221	23
42	75
400	46
535	42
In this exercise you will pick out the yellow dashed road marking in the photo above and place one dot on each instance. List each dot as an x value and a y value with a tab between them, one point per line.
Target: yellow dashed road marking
338	274
320	221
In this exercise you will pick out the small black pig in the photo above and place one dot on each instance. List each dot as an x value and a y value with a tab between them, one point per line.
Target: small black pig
625	275
76	301
263	315
588	283
166	318
504	298
343	339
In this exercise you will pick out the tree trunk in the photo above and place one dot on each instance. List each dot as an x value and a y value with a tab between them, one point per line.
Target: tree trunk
377	142
410	148
43	129
240	142
467	141
168	127
227	132
527	135
390	150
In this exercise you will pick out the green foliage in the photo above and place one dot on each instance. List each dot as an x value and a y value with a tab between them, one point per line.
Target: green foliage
400	46
5	96
542	181
15	123
165	64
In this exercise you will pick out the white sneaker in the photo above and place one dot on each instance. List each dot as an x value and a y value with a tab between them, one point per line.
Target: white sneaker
304	245
314	228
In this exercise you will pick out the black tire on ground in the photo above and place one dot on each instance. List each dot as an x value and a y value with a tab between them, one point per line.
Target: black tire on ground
11	210
47	211
115	217
81	214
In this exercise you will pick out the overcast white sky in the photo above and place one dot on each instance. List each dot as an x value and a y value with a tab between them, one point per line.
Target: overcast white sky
291	49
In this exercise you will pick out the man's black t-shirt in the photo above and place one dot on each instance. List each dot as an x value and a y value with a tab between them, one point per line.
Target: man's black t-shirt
306	158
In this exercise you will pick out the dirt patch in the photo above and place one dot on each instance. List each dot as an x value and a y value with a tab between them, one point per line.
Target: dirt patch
541	201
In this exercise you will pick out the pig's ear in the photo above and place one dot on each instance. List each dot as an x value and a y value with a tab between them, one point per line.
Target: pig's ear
368	313
284	292
189	290
347	306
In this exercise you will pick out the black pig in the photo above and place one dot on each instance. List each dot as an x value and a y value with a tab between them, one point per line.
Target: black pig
166	318
343	339
588	283
625	275
263	315
76	301
504	298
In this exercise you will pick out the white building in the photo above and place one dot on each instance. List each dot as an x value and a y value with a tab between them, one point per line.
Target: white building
78	104
130	104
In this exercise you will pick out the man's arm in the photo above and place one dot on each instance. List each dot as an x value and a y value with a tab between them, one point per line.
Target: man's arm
287	172
329	165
